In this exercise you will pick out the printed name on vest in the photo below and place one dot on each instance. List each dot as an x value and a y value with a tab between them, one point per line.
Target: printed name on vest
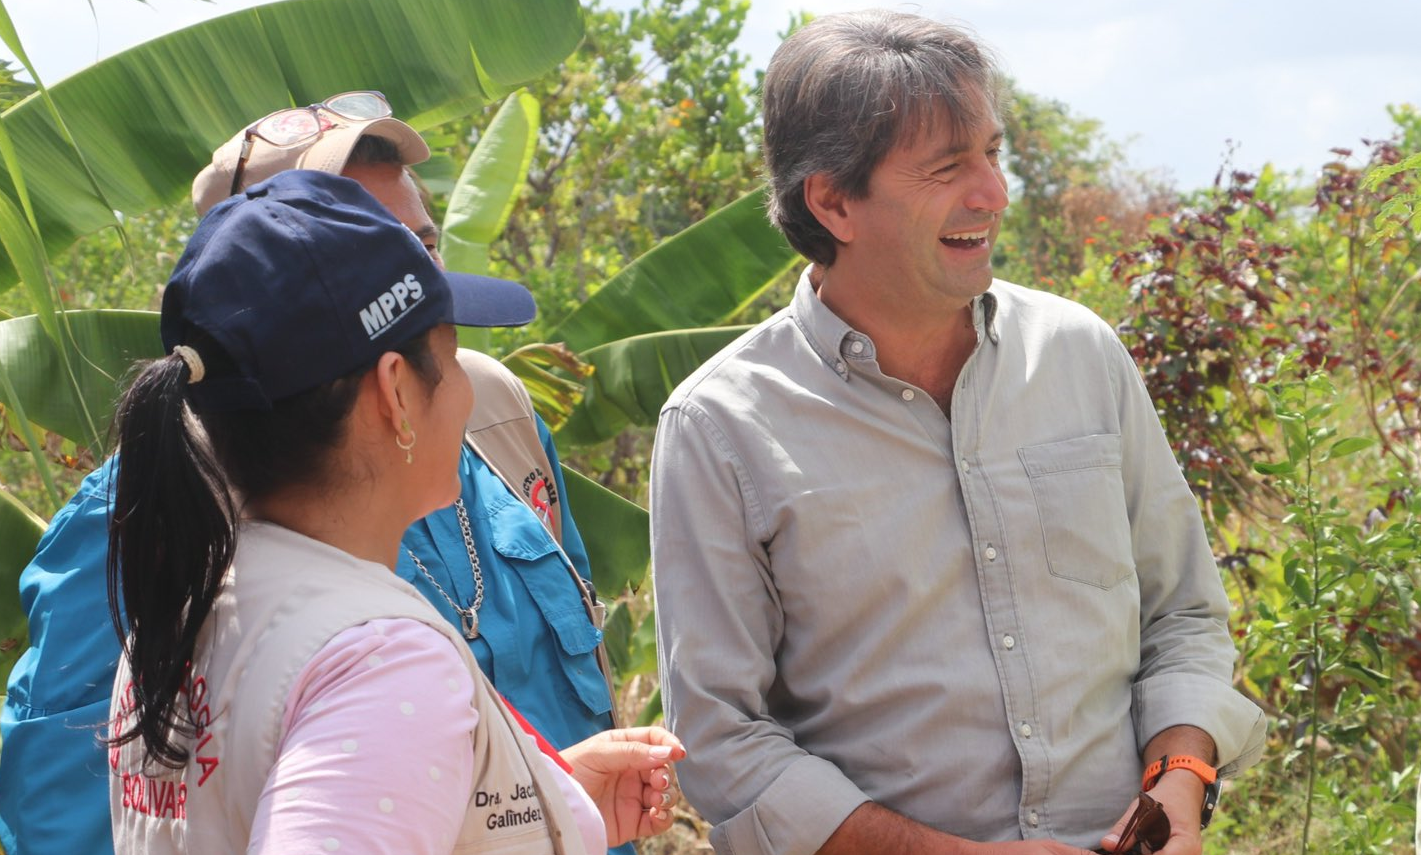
512	816
153	797
389	307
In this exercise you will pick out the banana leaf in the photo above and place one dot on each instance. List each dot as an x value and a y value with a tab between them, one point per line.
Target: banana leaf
148	119
20	531
616	532
630	648
485	193
701	277
22	246
110	341
488	187
632	378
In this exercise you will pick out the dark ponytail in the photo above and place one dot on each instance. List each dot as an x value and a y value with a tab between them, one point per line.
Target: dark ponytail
176	504
171	538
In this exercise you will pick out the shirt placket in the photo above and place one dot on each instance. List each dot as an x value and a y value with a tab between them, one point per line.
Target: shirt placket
1008	638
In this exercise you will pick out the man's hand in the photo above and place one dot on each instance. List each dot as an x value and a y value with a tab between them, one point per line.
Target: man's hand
1181	794
1029	847
627	773
875	830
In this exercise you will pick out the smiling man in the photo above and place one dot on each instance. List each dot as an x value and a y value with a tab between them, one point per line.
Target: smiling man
928	577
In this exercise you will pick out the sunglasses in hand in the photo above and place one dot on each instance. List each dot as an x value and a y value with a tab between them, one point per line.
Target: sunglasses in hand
1148	826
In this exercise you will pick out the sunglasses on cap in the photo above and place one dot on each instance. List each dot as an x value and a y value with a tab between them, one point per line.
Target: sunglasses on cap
1148	826
298	124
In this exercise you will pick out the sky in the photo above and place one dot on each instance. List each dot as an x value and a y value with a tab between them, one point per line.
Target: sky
1178	83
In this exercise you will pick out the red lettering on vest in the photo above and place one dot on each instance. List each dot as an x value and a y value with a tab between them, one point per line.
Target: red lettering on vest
197	693
209	765
167	798
151	797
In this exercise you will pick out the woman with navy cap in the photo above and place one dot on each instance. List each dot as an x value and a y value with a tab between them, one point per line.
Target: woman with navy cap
281	689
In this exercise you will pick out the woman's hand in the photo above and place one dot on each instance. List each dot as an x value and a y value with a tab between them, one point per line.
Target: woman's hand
627	772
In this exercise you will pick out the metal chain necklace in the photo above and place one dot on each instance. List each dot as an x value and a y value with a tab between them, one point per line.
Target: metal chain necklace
468	615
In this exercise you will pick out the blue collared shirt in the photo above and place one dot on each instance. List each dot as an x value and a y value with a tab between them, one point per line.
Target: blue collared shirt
536	644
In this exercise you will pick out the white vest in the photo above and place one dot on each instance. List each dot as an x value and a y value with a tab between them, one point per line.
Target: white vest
284	597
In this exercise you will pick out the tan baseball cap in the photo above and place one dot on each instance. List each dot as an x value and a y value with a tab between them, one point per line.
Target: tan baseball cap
326	152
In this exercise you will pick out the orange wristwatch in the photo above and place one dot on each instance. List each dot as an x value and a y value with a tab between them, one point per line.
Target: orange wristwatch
1208	774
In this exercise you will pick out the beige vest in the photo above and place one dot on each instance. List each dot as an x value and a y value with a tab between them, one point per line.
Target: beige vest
503	431
282	600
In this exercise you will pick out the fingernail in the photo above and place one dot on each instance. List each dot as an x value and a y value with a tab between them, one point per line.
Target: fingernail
660	752
666	799
1110	840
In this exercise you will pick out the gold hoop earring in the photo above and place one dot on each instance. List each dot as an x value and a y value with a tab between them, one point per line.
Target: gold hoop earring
407	449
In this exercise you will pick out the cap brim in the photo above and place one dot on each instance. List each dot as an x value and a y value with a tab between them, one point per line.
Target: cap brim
332	149
483	301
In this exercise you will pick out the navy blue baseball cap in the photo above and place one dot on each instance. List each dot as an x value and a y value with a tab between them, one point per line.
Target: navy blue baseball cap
305	278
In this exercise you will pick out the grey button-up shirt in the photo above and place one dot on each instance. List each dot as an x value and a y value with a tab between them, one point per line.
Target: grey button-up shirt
978	623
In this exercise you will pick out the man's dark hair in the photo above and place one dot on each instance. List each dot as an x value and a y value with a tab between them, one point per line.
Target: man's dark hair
371	150
844	90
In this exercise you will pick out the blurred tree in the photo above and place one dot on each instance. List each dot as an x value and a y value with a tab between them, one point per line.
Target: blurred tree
647	128
1070	189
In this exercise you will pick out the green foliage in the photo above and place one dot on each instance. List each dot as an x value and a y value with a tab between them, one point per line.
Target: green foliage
1328	639
12	90
646	129
1207	294
1403	209
1070	194
18	526
616	532
198	83
731	255
203	81
486	191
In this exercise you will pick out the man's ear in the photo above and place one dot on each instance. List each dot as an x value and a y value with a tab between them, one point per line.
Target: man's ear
828	205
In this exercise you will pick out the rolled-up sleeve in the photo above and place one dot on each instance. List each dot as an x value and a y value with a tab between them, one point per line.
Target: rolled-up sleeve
719	625
1186	652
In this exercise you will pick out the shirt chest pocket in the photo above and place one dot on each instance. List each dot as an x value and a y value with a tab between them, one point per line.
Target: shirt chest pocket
530	553
1080	502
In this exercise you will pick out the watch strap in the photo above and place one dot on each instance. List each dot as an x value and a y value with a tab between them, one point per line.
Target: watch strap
1207	773
1168	763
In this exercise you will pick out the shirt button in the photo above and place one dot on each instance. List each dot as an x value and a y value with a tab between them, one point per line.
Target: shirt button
839	366
908	394
1025	730
966	467
856	347
991	553
1032	819
1008	642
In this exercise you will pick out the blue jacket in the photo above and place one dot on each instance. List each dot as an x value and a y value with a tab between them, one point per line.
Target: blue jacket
536	644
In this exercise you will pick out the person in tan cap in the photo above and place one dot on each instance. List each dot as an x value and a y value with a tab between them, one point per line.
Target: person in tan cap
505	565
351	134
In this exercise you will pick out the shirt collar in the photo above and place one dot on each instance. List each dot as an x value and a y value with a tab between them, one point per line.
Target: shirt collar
832	339
825	331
